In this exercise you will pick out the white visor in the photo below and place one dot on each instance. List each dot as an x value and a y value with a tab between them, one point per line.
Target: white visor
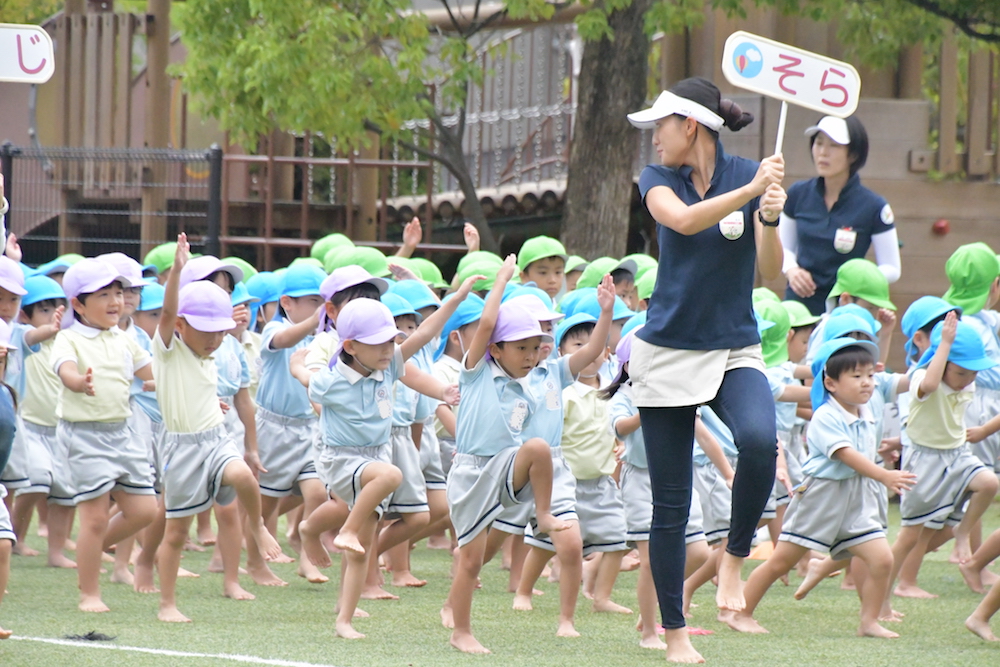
833	127
668	104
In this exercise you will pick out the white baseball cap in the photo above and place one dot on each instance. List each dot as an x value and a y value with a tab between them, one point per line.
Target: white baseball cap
668	104
833	127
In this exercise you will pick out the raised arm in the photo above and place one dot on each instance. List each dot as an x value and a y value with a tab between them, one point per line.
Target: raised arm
488	320
599	338
295	334
46	331
430	328
935	370
428	385
769	251
171	292
413	234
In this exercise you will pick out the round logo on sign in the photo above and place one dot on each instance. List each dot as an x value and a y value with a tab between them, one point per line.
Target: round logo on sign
748	60
731	226
844	240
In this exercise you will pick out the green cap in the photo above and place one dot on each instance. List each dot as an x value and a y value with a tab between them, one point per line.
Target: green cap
774	340
798	314
643	263
644	285
327	243
764	294
971	270
576	263
337	257
249	271
162	256
486	268
594	273
370	259
429	271
863	280
309	261
475	257
72	258
539	247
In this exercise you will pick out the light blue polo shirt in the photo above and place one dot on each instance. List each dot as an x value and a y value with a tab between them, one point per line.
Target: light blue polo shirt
885	392
779	377
622	407
546	382
146	400
278	391
404	405
833	428
986	323
231	363
15	376
495	410
720	431
424	359
357	409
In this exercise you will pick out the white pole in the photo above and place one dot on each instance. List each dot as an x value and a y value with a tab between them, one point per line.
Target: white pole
781	128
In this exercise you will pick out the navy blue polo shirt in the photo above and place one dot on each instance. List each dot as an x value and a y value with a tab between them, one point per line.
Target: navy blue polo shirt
828	238
703	282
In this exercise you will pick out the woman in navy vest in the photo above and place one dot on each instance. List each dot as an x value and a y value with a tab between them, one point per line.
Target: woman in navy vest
717	216
833	218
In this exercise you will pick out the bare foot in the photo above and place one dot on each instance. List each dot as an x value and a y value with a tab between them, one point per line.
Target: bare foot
348	542
267	545
679	647
963	550
206	537
876	630
24	550
654	643
407	580
724	615
566	629
183	573
548	524
347	631
907	591
989	578
447	618
607	606
730	592
437	542
122	576
377	593
973	577
976	626
93	604
58	560
522	603
144	581
629	563
466	643
313	547
310	572
192	546
282	558
890	615
361	613
5	634
812	579
172	615
744	623
262	576
784	579
70	545
43	530
234	591
215	566
107	558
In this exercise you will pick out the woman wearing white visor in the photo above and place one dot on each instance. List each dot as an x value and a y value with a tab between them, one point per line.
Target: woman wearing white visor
718	216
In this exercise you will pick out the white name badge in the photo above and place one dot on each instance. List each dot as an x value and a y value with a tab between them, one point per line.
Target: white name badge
732	225
844	240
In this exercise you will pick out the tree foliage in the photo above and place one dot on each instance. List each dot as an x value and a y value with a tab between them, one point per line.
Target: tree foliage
28	11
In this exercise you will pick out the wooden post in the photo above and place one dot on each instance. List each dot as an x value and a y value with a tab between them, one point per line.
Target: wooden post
977	128
948	106
909	73
153	230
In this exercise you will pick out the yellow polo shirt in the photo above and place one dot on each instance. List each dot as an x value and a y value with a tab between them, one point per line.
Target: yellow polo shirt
186	386
321	350
587	442
251	347
938	419
38	405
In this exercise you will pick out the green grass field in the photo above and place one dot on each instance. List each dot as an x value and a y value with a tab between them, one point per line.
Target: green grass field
294	624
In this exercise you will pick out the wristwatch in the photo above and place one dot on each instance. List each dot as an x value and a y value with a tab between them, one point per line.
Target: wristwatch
765	222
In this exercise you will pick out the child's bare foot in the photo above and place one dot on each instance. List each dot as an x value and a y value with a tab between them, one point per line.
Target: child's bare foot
407	580
963	550
607	606
348	542
70	545
59	560
973	577
566	629
730	592
313	547
784	579
522	603
234	591
654	643
347	631
144	581
188	574
548	524
24	550
377	593
93	604
438	542
724	615
107	558
907	591
813	576
310	572
361	613
122	575
192	546
282	558
267	545
877	631
447	618
262	576
5	634
989	578
629	563
976	626
171	614
466	643
43	530
215	565
890	615
744	623
206	537
679	648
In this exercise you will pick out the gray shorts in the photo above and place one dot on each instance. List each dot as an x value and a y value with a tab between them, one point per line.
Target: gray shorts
514	520
61	487
148	434
833	515
39	443
235	426
716	502
941	489
193	466
15	475
794	455
287	452
430	459
340	469
103	457
447	446
601	514
479	487
637	496
411	496
695	531
6	529
985	405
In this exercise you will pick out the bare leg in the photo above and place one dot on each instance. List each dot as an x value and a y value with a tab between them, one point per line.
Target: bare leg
237	474
230	546
357	565
607	574
24	507
205	535
331	515
819	569
123	554
648	611
977	623
533	463
60	520
151	539
458	608
912	563
701	576
378	480
729	595
169	557
877	557
984	489
974	569
314	494
93	527
534	563
782	560
5	549
906	541
256	563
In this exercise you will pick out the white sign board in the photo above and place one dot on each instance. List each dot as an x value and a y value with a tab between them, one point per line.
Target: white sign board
790	74
26	54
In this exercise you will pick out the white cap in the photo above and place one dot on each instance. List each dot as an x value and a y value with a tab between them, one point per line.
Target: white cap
833	127
668	104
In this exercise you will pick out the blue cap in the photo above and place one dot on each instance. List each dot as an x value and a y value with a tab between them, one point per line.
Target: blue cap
818	392
265	286
399	306
57	265
152	297
242	295
634	322
967	351
302	280
848	323
41	288
855	309
762	324
468	311
530	288
416	293
568	305
589	304
922	312
151	269
570	322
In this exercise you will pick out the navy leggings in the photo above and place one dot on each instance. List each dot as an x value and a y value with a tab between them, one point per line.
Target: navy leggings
744	403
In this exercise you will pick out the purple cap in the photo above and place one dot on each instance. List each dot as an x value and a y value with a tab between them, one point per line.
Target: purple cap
6	333
130	269
11	276
206	307
199	268
536	307
349	276
515	323
366	321
623	351
85	277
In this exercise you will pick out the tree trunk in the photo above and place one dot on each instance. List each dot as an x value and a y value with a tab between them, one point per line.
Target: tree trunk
451	148
612	84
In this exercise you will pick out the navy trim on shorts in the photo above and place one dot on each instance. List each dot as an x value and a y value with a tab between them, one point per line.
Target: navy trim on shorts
475	526
806	538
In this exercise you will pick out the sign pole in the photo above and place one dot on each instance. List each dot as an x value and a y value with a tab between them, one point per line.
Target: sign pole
782	117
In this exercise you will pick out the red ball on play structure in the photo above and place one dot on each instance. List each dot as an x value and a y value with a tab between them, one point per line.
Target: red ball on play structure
941	227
